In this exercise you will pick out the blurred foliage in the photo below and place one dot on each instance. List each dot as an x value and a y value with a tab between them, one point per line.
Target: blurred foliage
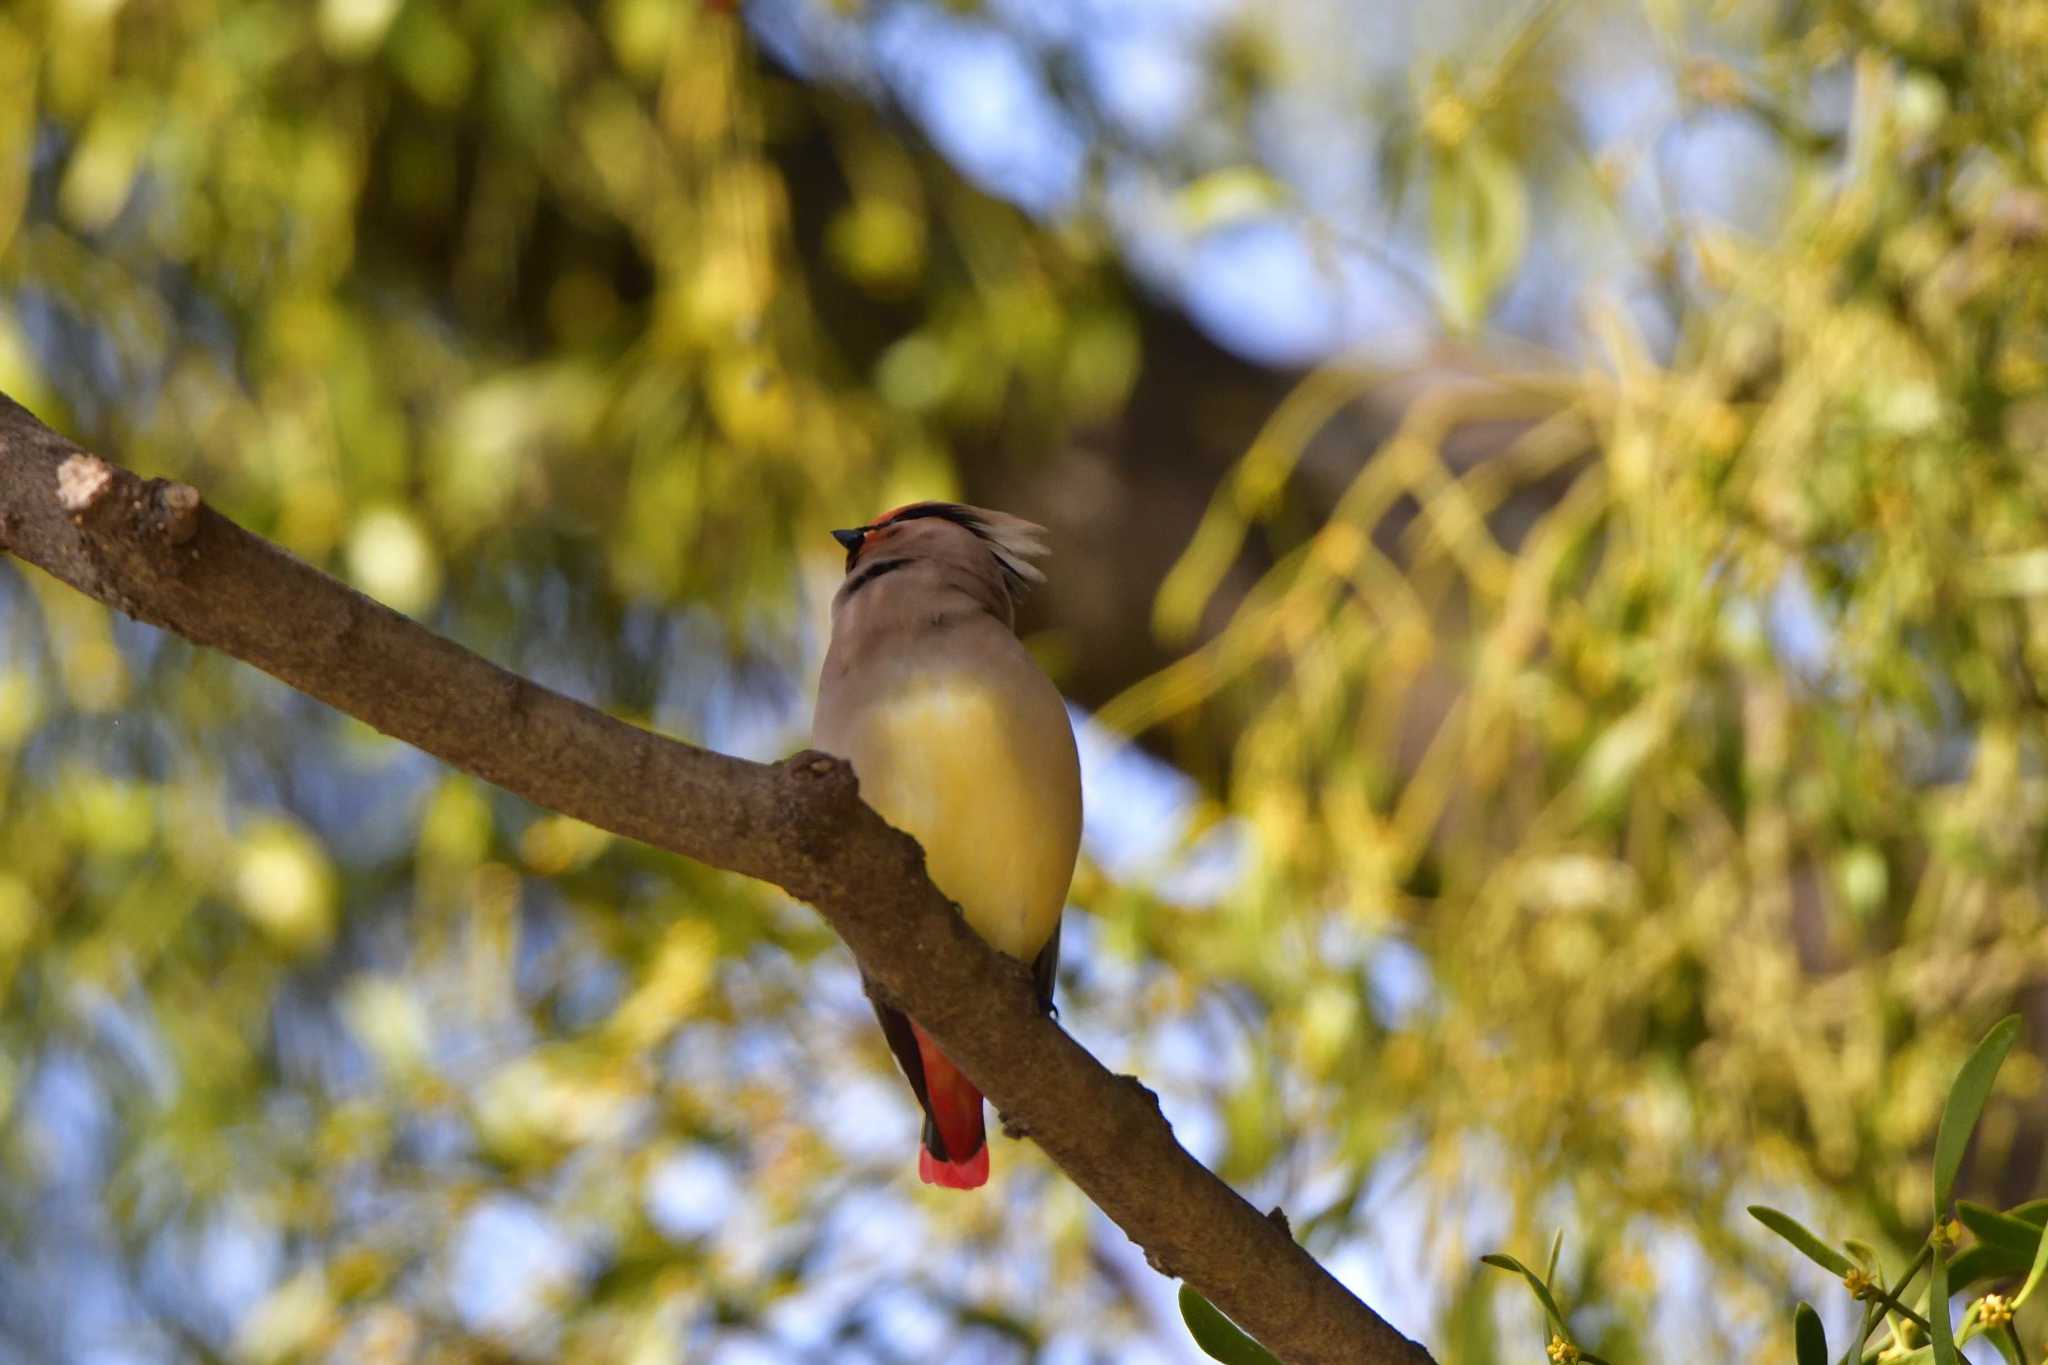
2012	1252
498	310
1634	820
1714	795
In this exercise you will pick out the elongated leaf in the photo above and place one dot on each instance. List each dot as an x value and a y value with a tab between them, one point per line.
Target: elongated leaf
1219	1337
2000	1229
1232	195
1478	226
1984	1262
1550	1261
1944	1340
1965	1105
2035	1272
1812	1247
1973	1326
2034	1211
1809	1336
1505	1262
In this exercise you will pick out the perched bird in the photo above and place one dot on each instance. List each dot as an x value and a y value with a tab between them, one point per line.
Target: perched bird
959	740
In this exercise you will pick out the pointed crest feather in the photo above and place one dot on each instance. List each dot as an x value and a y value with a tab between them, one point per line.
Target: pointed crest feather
1013	541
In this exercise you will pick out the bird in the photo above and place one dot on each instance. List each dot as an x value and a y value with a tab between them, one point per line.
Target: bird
959	739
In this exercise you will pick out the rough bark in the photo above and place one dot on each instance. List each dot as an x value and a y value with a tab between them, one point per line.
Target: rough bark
153	550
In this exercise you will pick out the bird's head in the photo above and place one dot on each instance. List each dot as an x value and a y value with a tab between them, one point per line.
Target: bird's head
990	545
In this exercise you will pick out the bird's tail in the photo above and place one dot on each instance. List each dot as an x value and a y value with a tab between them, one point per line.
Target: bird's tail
955	1151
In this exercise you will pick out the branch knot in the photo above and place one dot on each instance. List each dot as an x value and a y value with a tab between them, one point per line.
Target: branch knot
826	794
177	506
83	482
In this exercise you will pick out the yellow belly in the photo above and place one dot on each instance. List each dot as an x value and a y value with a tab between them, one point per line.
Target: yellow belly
941	764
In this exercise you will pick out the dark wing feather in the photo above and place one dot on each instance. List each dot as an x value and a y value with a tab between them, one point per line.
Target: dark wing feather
896	1029
1045	970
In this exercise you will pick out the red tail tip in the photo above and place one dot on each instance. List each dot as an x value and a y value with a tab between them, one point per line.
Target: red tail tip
970	1174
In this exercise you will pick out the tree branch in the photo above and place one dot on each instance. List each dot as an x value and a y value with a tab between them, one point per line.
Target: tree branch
152	549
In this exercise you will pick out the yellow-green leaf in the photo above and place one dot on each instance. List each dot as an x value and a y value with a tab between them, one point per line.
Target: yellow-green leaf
1965	1104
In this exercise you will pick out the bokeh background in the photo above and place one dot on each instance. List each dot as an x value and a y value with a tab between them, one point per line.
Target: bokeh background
1551	513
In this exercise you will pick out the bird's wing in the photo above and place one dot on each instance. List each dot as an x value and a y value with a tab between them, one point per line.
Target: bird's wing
1045	970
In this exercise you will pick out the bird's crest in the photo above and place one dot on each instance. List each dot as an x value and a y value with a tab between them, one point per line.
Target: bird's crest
1013	541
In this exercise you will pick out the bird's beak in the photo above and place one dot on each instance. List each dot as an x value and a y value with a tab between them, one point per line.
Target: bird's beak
849	540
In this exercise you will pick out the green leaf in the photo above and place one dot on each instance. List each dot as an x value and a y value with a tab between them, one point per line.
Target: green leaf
1501	1261
1550	1261
1972	1325
2035	1272
2000	1229
1229	196
2034	1211
1219	1337
1984	1262
1809	1336
1944	1341
1812	1247
1965	1104
1478	226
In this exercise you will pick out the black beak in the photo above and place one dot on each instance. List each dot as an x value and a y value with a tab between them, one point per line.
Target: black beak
849	540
